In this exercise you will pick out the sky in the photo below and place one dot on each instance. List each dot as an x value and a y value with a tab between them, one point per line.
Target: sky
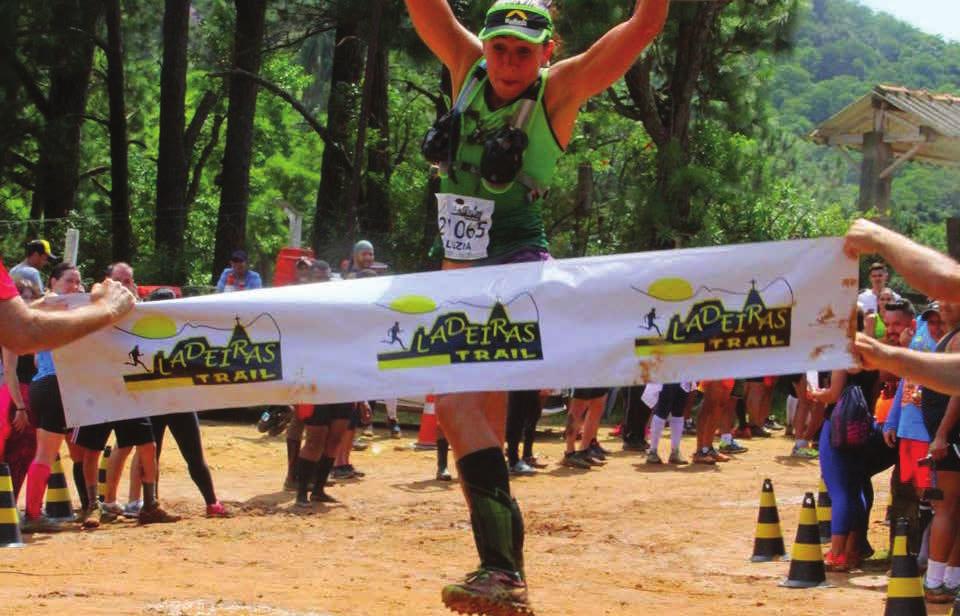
933	16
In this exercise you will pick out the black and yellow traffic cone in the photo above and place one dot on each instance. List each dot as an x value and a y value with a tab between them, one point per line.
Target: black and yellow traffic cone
58	507
102	474
768	543
955	610
824	512
905	588
9	519
806	558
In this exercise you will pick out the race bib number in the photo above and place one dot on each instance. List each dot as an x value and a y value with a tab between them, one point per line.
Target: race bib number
464	224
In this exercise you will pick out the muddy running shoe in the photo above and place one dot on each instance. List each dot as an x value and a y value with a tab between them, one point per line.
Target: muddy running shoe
574	461
343	472
156	515
758	432
653	457
359	445
486	591
444	475
677	459
90	517
731	448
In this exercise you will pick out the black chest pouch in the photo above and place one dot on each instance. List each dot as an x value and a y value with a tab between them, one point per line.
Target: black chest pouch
442	138
502	156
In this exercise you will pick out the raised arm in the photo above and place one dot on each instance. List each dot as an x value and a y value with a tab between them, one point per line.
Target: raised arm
606	61
455	46
926	270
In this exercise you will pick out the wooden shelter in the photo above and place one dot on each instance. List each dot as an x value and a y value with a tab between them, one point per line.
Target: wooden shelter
892	126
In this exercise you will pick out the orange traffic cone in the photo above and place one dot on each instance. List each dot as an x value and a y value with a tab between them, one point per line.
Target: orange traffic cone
102	474
58	507
427	439
9	520
768	542
905	588
806	558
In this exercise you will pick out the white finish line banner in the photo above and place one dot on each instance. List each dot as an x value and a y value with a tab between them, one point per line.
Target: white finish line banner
706	313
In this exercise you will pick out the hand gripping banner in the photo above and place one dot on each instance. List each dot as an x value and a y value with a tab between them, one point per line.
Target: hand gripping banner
706	313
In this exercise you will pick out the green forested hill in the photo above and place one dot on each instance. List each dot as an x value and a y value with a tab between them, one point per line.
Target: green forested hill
843	49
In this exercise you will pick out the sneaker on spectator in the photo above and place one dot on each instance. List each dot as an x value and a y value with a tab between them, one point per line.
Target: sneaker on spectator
938	594
132	509
522	468
704	457
719	457
804	452
217	510
589	458
757	431
90	517
635	445
597	453
653	457
733	447
677	459
572	460
772	424
444	475
42	524
359	445
156	515
536	463
109	512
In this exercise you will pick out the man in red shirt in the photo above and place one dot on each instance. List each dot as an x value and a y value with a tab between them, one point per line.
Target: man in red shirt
24	329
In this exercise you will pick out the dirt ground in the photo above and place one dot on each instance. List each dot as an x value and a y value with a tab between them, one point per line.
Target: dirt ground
623	539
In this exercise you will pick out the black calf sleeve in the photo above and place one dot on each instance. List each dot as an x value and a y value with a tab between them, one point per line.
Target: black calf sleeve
81	484
494	515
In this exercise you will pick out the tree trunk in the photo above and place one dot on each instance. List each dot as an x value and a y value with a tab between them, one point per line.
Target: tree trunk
235	176
376	217
119	173
74	25
171	212
329	224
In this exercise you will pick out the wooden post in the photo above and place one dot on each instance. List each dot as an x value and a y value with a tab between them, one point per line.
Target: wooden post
953	237
874	190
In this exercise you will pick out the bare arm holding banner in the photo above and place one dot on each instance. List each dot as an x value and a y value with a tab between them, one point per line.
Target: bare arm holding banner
930	272
26	330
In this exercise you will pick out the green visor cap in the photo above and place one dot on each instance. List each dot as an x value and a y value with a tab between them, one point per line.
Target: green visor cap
529	23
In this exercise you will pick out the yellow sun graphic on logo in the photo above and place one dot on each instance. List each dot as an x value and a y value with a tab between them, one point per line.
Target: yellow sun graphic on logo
413	304
670	290
155	326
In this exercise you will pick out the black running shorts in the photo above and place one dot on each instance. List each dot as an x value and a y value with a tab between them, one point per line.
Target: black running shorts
325	414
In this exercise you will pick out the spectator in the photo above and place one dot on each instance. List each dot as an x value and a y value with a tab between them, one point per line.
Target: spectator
38	255
238	277
869	298
362	259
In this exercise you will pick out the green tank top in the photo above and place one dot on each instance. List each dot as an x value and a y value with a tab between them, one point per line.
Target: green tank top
517	220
